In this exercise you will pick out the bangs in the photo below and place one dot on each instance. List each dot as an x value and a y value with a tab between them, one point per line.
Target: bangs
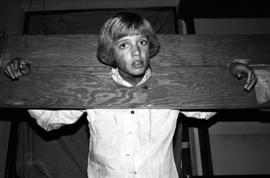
123	27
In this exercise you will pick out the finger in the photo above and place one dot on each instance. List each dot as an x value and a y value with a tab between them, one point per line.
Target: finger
14	69
252	82
249	77
9	73
6	72
16	64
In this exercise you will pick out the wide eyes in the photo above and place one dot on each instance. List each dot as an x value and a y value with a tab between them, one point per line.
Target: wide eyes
123	45
143	42
126	44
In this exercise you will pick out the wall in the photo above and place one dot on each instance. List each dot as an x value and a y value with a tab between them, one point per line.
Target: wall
11	16
233	26
95	4
12	12
240	148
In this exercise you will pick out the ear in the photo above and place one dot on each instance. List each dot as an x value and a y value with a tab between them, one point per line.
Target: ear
154	46
105	56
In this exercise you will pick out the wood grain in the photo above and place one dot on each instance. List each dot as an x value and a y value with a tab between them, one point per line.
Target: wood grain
176	50
93	87
190	74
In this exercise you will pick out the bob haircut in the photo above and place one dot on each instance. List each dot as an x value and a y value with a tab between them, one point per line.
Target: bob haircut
121	25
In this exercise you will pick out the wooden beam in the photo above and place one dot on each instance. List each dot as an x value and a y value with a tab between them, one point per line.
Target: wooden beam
189	73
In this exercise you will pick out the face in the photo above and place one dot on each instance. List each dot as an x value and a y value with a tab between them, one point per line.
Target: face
131	54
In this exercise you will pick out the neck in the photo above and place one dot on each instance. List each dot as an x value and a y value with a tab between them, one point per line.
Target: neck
133	80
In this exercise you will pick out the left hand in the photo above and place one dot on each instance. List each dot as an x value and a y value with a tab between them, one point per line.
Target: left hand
241	70
17	67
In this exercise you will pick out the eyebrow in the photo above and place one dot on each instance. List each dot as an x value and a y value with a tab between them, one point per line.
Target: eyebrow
120	41
125	38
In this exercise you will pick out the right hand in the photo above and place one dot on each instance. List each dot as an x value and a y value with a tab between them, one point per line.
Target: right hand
240	70
16	68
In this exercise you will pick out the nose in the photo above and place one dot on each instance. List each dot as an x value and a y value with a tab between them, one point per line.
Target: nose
136	51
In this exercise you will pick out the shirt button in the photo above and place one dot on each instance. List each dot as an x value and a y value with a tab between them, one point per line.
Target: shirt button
132	112
133	172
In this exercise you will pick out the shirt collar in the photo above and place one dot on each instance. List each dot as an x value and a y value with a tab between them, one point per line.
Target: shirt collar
118	79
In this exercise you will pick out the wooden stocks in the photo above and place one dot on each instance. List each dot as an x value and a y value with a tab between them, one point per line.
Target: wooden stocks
189	73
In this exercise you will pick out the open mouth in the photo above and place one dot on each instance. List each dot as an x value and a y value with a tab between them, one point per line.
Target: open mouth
137	64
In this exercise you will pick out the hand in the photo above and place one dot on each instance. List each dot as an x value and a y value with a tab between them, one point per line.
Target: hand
241	70
16	68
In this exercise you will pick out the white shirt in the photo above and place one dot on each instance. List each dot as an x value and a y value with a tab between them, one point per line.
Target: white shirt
124	143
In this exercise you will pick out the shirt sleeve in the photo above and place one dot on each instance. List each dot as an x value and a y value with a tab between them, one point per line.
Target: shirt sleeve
54	119
199	115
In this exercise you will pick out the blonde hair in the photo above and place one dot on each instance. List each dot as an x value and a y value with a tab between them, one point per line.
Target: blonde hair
121	25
